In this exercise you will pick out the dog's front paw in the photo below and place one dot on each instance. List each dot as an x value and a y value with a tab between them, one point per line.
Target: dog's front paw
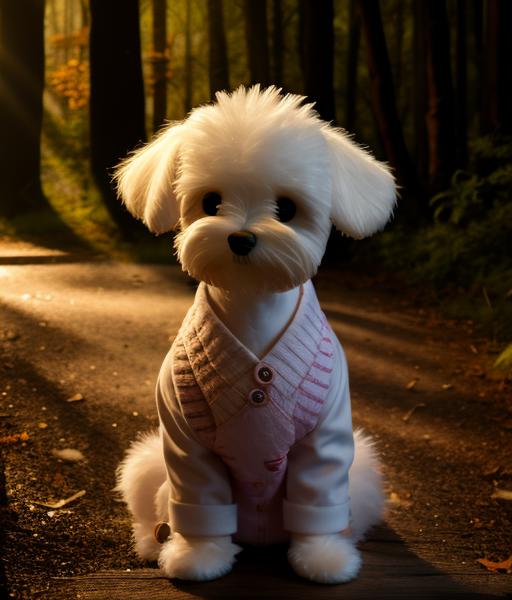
146	545
197	558
329	558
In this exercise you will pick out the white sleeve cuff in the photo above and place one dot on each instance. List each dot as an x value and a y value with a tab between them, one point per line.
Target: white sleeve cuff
203	519
315	520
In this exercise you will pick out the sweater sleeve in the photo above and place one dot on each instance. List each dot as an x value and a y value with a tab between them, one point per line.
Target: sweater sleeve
317	497
200	492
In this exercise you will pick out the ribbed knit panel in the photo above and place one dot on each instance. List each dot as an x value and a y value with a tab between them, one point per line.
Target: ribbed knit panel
214	371
191	398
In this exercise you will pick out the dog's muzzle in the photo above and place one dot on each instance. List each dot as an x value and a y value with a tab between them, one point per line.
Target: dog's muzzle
242	242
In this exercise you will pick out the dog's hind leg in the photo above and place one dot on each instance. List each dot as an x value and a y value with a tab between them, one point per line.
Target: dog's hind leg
141	479
365	488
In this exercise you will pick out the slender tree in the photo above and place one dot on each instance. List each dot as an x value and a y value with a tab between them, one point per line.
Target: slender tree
159	62
419	89
354	37
188	58
317	37
277	41
257	41
21	104
461	84
384	106
117	96
442	150
219	66
476	62
398	45
498	76
68	27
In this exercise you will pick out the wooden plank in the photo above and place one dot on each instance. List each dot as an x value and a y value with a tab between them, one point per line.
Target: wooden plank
390	572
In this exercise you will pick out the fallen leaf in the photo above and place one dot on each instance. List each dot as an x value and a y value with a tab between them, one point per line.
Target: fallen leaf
69	454
412	383
491	470
395	499
504	565
473	349
42	425
447	386
15	437
75	398
502	494
61	503
410	412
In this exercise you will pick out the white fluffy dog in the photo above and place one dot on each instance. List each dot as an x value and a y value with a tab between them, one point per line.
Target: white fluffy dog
255	441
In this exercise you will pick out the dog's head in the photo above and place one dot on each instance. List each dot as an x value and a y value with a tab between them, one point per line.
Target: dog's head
253	183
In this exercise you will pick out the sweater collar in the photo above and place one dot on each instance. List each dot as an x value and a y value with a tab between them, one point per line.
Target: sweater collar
224	367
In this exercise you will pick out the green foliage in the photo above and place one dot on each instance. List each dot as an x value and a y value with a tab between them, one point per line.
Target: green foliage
504	360
466	253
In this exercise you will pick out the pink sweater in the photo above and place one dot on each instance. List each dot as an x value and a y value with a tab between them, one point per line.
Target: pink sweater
256	447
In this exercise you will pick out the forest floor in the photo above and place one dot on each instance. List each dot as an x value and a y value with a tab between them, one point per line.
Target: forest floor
82	340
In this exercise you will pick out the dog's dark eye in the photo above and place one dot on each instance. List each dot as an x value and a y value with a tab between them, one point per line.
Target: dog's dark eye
286	209
211	202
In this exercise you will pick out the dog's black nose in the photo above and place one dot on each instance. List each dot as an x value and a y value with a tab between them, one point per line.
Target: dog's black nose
242	242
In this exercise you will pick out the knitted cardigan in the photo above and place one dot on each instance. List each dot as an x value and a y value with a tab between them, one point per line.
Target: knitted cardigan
256	447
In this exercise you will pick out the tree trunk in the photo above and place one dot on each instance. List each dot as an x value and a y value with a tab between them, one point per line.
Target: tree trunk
398	47
68	28
440	115
188	59
277	41
317	33
159	63
461	84
383	99
219	66
21	105
257	45
419	91
117	96
497	114
354	38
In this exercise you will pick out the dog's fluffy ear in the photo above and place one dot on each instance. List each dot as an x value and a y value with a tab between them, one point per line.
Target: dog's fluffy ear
145	180
363	188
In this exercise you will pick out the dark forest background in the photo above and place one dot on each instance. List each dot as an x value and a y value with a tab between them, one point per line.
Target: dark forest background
426	84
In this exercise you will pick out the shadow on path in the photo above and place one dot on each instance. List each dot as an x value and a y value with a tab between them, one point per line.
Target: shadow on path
390	572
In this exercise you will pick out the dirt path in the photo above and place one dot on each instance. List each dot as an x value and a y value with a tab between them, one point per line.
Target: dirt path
72	327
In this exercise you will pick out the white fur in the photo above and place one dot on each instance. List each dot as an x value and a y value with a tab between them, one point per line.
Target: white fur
252	147
139	478
145	179
333	559
365	487
197	559
277	146
329	558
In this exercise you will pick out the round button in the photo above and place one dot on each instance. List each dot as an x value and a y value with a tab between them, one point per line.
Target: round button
263	374
257	397
162	532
